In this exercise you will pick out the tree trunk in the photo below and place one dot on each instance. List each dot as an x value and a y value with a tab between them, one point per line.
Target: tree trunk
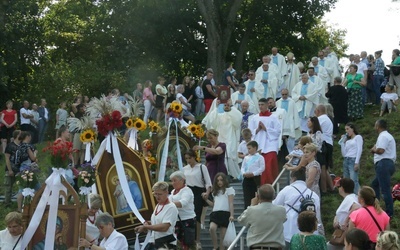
219	32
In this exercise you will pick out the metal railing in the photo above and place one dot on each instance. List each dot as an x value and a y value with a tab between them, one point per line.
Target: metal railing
240	236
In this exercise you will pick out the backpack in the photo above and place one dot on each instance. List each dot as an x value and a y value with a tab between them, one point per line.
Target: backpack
306	202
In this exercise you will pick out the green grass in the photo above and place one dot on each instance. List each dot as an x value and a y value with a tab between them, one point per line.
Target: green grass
366	129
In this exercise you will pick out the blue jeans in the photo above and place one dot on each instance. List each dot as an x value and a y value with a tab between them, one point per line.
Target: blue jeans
377	87
384	169
348	172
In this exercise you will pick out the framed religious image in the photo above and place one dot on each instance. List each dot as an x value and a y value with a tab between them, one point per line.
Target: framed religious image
119	205
67	223
224	94
137	174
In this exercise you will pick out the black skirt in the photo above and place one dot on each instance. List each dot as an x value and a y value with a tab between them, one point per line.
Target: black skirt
221	218
159	101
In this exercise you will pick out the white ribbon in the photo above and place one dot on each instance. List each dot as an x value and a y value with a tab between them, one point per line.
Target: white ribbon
28	192
85	190
87	151
163	162
122	177
50	196
132	143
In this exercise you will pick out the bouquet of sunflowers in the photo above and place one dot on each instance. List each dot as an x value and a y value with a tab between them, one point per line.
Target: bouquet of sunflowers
196	130
175	110
137	123
88	135
154	127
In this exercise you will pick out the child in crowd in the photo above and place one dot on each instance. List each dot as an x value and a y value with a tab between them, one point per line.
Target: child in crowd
295	157
252	167
242	149
389	100
223	209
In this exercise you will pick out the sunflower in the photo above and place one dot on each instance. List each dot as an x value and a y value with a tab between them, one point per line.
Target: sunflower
192	128
139	124
152	160
151	123
88	135
129	123
178	108
155	128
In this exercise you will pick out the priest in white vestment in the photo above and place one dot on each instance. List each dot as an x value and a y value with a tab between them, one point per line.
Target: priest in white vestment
321	85
266	130
227	120
239	96
335	61
305	95
272	68
278	113
291	124
320	71
269	83
254	89
293	73
328	64
279	61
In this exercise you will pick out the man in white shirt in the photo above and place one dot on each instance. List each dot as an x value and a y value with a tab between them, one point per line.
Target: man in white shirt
291	126
384	158
327	132
266	130
25	118
290	198
305	95
112	239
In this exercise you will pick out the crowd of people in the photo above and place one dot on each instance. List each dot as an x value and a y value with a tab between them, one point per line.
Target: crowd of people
268	109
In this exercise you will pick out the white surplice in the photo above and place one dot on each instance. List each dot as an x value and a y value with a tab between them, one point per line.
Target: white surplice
268	140
258	90
292	77
291	123
235	97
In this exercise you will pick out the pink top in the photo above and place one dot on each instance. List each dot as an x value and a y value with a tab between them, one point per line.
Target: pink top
8	116
363	220
147	94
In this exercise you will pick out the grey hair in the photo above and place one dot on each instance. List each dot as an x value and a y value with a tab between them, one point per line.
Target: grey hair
178	174
314	58
338	79
329	110
160	185
305	74
95	200
104	219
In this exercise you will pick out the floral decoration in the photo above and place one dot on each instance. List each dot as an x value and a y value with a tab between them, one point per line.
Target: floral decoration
196	130
27	181
136	123
88	135
175	109
154	127
86	178
61	152
109	122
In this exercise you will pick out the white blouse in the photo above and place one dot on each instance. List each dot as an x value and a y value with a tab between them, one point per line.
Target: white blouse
193	176
185	197
343	210
353	148
221	201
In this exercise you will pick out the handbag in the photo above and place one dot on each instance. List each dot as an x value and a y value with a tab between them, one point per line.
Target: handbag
189	233
205	204
337	238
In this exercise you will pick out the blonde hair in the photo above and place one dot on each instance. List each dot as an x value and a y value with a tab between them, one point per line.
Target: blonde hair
212	132
13	217
310	147
161	185
304	140
388	240
96	200
369	197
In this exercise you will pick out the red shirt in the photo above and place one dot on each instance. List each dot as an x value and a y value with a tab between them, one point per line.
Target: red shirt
8	116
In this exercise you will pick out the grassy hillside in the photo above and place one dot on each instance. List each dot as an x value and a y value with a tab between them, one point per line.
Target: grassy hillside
365	128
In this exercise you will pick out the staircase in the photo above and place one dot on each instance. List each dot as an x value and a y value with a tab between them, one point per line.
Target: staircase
238	204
